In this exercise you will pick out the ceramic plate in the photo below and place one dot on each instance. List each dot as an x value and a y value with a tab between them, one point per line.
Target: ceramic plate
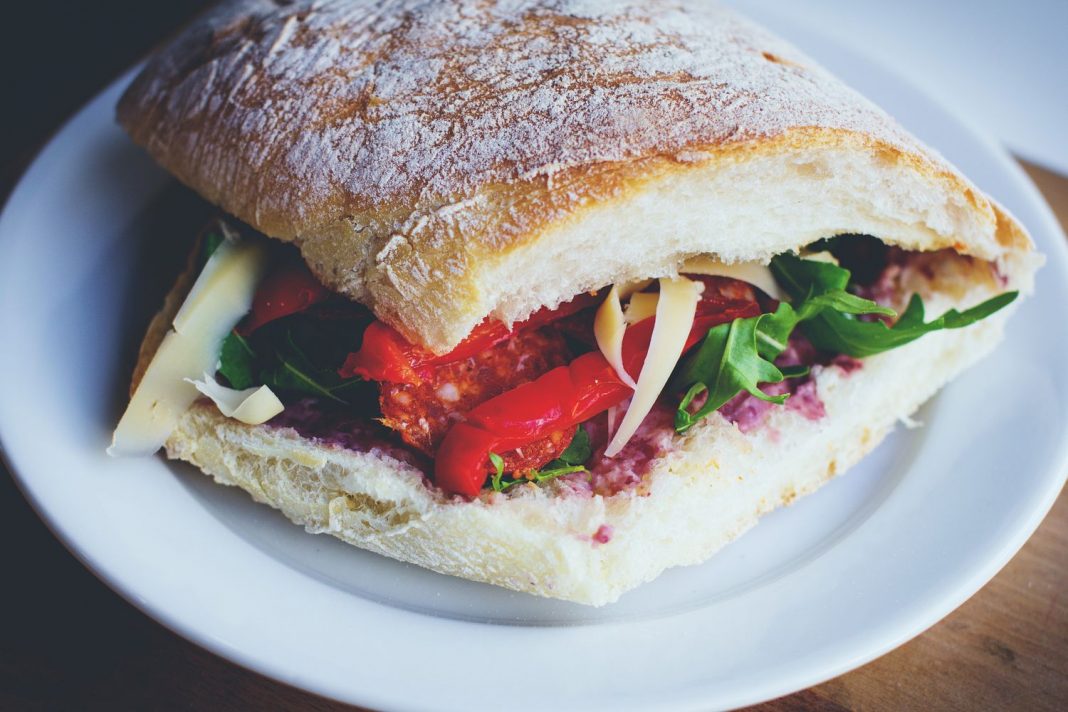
90	241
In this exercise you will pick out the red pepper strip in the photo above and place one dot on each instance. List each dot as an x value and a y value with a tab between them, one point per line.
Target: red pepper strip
288	290
385	355
560	399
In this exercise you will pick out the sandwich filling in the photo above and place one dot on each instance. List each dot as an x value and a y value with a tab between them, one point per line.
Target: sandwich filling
585	394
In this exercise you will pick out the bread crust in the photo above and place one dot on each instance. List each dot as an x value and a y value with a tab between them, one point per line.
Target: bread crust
430	156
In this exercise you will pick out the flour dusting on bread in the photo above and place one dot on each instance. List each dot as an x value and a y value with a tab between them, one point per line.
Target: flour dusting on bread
462	134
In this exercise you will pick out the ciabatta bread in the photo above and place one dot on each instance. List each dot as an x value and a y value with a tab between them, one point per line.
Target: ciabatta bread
442	161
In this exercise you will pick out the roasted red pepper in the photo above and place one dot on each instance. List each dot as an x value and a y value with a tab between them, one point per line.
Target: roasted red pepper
562	398
289	289
385	355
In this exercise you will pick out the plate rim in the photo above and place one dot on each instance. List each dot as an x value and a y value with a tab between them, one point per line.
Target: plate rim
1057	258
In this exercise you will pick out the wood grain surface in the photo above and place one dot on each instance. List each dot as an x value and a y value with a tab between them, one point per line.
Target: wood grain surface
68	642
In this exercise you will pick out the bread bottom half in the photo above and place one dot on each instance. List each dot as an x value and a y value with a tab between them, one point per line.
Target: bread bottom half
709	488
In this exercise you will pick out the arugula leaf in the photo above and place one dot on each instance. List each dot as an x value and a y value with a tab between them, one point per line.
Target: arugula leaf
498	464
300	355
541	476
570	461
237	361
816	287
806	278
773	333
794	371
833	331
546	474
287	376
827	310
727	363
294	371
579	451
842	302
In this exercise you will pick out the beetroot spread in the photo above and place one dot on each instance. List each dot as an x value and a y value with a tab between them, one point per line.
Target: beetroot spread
331	425
609	475
604	533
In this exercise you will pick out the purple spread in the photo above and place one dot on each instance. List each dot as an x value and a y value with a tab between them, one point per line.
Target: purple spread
604	533
331	426
606	475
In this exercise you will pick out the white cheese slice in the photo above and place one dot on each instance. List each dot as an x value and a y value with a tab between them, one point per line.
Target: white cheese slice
221	295
641	306
754	273
675	312
822	256
251	405
609	327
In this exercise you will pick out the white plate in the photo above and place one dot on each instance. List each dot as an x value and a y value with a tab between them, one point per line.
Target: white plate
88	240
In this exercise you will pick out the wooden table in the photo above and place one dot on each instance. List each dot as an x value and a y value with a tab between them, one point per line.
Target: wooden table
68	642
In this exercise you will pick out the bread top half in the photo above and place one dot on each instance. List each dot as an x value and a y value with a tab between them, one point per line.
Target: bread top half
447	160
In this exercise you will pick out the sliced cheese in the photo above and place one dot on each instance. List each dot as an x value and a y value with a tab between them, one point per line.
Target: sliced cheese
221	295
252	405
225	287
641	306
608	328
754	273
675	312
821	256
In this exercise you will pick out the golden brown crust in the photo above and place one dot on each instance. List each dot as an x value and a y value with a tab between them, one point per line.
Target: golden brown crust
411	148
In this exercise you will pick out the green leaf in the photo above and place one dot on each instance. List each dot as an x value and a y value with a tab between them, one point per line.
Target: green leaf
684	420
802	279
773	332
304	357
827	310
844	303
839	333
237	361
570	461
816	286
579	450
727	363
353	390
498	464
546	474
794	371
288	376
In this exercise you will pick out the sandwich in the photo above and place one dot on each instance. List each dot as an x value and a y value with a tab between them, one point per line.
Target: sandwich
550	295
